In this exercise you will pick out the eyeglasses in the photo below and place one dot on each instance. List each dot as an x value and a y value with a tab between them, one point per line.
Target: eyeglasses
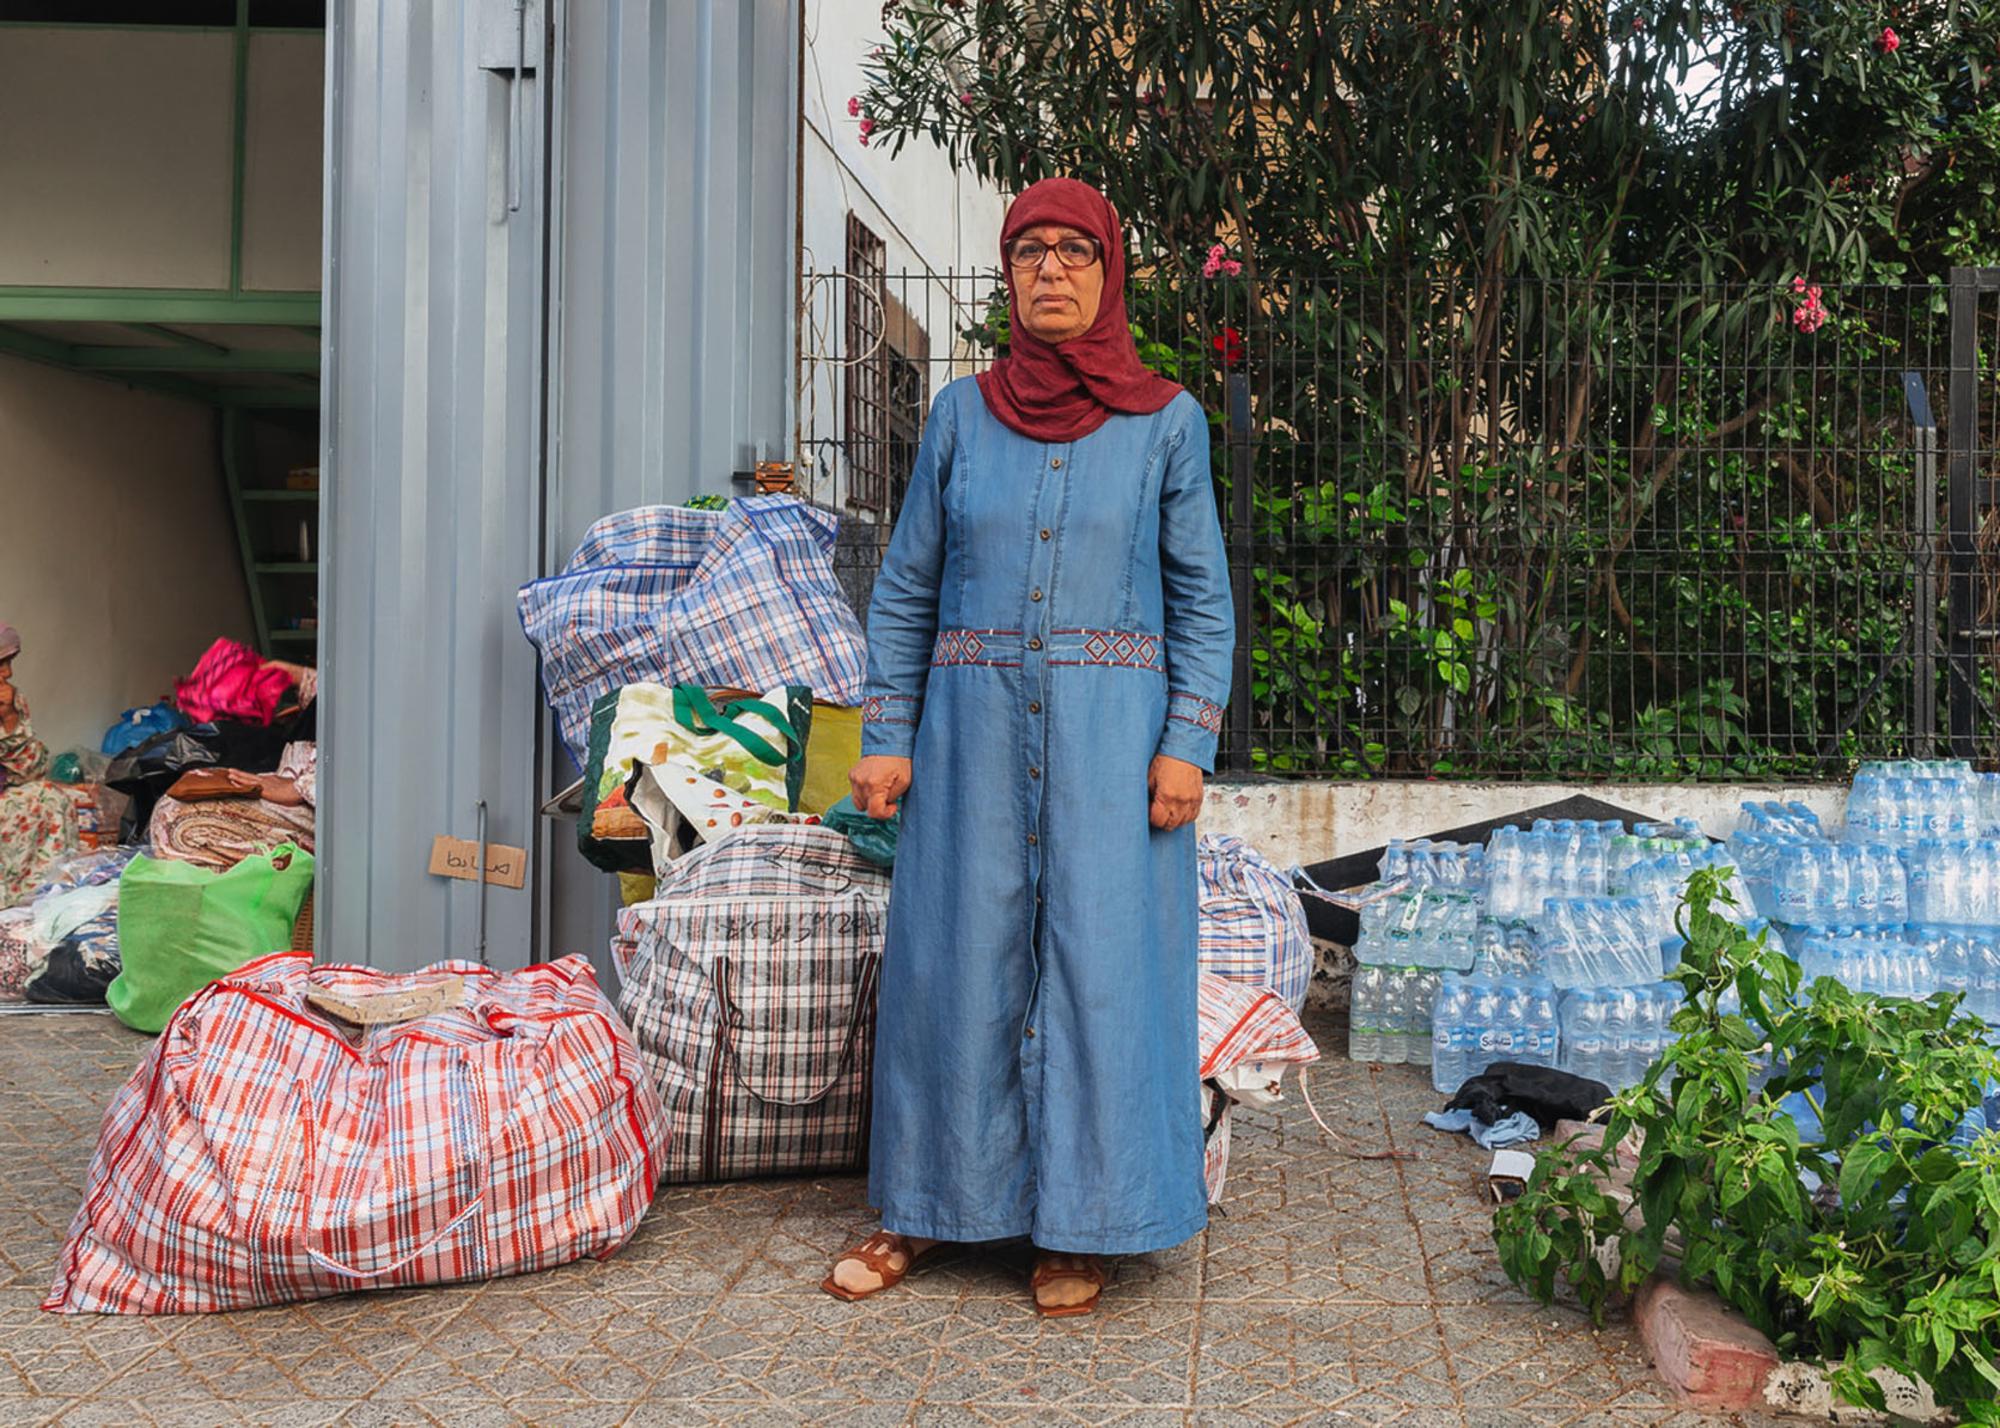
1070	252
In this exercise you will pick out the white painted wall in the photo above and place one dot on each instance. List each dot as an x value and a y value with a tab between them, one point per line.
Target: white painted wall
118	556
116	149
930	218
1310	821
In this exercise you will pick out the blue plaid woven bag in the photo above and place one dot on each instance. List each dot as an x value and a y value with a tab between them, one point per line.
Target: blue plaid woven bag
1253	930
744	597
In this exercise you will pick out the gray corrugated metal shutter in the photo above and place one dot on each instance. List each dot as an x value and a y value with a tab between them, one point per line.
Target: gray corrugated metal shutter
435	299
676	161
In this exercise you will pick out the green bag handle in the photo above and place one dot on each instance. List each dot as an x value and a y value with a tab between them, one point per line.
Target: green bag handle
693	709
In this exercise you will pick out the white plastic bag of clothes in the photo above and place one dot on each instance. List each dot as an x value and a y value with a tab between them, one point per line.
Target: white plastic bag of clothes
1249	1039
743	597
1253	927
75	911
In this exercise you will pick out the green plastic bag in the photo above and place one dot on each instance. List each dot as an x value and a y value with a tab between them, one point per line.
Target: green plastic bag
873	838
181	926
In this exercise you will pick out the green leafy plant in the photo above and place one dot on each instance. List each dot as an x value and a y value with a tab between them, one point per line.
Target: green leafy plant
1513	300
1868	1240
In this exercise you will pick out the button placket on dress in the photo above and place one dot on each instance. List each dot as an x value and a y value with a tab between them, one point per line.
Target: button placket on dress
1036	625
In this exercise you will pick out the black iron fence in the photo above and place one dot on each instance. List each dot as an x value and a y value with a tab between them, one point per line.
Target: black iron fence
1550	528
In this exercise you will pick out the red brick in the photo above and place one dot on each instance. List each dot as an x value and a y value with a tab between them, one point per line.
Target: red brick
1710	1357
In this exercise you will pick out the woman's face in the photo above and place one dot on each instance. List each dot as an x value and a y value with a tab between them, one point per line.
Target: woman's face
1054	302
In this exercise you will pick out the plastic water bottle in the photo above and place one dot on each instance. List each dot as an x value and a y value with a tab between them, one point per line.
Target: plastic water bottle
1983	970
1987	797
1418	999
1894	906
1795	878
1364	1017
1918	863
1393	983
1449	1012
1512	1026
1617	1036
1947	884
1644	1047
1491	1041
1583	1033
1544	1024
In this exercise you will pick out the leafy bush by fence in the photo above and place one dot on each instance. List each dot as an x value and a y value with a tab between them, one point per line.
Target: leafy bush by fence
1551	528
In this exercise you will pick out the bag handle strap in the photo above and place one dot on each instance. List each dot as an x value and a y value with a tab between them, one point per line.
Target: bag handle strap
334	1266
864	995
693	709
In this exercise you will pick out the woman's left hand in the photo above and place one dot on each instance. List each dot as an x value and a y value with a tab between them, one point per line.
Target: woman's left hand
1175	786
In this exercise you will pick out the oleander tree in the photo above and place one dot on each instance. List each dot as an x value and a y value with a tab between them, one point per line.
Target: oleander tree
1433	235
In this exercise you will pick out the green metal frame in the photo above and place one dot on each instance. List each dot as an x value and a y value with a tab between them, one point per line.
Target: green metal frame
234	439
195	366
192	366
235	461
196	306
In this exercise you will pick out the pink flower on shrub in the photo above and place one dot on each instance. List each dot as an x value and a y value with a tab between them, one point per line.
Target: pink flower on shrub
867	128
853	107
1890	41
1228	345
966	99
1810	315
1219	262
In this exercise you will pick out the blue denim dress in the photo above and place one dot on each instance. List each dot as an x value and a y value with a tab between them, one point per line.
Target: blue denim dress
1048	617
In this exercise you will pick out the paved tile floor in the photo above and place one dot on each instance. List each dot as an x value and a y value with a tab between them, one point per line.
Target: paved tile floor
1331	1289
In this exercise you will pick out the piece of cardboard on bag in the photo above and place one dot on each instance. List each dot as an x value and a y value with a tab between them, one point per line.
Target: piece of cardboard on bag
388	1008
459	858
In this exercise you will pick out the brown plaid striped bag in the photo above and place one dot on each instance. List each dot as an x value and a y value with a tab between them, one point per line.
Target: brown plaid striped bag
749	983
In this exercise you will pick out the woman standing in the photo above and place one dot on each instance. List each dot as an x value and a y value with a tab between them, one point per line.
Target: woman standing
1049	654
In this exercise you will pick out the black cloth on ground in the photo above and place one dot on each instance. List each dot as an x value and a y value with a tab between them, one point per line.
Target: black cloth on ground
1546	1094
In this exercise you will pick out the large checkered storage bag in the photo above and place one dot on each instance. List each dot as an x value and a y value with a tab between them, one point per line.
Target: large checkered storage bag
267	1151
749	982
1249	1038
744	597
1253	928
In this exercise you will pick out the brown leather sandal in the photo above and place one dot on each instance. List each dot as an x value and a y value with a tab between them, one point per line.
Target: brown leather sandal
873	1253
1052	1267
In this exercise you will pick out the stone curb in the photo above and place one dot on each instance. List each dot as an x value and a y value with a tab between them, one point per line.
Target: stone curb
1714	1360
1710	1357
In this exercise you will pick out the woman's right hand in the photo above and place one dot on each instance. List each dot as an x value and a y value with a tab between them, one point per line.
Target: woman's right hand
879	783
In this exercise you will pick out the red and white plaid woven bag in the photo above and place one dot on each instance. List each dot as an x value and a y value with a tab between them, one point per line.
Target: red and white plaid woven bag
261	1153
1241	1028
749	982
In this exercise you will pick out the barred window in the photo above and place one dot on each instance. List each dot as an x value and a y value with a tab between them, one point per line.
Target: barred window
867	444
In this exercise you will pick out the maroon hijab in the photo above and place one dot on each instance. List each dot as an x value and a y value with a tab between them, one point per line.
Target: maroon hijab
1062	392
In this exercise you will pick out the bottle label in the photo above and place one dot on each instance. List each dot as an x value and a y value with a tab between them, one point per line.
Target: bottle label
1412	911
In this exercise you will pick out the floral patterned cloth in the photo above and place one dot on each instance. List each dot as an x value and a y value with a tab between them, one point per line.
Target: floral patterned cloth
220	833
37	823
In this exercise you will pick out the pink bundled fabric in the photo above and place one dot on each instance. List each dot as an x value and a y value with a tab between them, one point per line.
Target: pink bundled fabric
262	1152
232	681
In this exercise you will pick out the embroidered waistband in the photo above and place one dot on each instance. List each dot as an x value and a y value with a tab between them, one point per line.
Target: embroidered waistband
1116	649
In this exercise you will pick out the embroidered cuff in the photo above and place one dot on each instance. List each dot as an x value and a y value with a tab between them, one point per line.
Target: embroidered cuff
1193	726
889	724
